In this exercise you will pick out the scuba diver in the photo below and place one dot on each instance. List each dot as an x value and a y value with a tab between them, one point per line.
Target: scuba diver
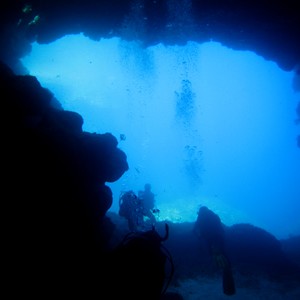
132	208
141	267
147	196
148	200
208	226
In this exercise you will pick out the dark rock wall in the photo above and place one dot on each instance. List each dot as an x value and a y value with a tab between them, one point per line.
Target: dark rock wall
54	194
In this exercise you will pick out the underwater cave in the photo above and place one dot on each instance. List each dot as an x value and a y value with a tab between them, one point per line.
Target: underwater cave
200	99
203	123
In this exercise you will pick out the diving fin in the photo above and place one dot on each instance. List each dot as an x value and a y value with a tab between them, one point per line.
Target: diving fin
228	281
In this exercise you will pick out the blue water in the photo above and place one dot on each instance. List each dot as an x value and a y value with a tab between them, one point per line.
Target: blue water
204	124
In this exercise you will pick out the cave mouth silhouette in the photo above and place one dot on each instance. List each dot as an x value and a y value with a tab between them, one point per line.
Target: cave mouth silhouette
204	124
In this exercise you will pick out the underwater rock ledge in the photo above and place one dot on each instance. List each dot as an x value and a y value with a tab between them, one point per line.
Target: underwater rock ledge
268	29
54	194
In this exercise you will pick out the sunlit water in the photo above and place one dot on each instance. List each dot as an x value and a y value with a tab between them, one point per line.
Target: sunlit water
204	124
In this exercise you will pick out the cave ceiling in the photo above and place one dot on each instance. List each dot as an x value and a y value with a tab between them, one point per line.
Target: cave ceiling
269	28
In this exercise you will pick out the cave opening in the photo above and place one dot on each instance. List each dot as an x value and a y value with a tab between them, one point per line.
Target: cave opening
204	124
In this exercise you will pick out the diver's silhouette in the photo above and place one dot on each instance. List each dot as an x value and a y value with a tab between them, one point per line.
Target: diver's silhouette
138	266
148	201
138	209
133	208
208	226
130	207
147	197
